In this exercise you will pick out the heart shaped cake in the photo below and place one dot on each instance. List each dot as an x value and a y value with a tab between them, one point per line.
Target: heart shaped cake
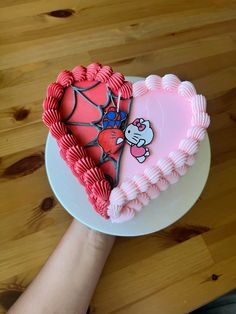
124	142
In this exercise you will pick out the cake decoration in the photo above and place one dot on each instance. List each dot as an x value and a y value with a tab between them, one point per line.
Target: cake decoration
75	102
126	143
138	134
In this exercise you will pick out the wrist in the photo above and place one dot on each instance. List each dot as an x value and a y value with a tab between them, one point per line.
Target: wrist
95	240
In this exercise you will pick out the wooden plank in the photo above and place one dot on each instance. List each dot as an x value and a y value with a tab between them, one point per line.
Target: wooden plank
126	295
22	138
144	277
183	293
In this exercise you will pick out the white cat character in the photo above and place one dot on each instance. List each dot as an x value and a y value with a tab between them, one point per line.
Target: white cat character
138	134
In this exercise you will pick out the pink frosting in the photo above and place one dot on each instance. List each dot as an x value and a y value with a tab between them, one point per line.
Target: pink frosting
197	133
125	215
141	182
139	88
189	146
152	174
198	103
152	82
191	160
201	119
178	158
173	177
130	190
170	82
187	89
135	204
162	184
182	170
144	198
165	165
168	169
153	192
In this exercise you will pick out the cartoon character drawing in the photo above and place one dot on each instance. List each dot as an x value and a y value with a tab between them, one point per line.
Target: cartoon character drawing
138	134
111	137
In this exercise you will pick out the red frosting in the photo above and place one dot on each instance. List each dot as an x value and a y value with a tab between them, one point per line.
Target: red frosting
55	90
93	175
50	117
92	71
50	103
74	154
65	78
67	141
79	73
84	164
83	167
115	82
58	130
126	90
104	74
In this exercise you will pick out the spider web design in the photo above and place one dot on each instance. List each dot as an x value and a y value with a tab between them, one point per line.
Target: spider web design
111	101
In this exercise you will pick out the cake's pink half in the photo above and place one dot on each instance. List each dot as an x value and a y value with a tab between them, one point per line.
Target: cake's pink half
178	119
170	116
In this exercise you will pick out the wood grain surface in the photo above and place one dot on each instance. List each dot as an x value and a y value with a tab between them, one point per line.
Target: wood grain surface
173	271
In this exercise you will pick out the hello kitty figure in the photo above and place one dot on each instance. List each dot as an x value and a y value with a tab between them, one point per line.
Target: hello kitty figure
138	134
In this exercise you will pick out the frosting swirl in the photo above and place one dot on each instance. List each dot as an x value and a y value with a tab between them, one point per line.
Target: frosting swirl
152	174
170	82
50	103
153	82
198	103
50	117
92	70
187	89
197	133
55	90
165	165
189	146
65	78
139	88
201	119
79	73
178	158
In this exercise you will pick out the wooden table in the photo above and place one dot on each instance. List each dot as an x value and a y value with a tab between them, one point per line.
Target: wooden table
172	271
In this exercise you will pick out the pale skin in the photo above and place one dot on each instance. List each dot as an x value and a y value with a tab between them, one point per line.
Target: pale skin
66	283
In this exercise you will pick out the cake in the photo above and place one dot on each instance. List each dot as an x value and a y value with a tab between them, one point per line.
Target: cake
125	142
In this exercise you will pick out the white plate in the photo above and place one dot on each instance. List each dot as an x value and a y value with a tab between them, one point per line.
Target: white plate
170	206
